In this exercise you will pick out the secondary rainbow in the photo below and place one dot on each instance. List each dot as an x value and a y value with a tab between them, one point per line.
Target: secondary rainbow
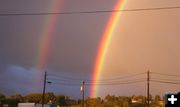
104	44
45	40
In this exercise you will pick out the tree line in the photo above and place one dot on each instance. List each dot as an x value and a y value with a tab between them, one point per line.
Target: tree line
50	98
62	100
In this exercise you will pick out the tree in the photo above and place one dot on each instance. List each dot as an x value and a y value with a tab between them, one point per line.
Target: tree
134	97
93	102
113	101
157	98
150	97
125	104
18	97
11	102
50	97
2	97
61	100
34	98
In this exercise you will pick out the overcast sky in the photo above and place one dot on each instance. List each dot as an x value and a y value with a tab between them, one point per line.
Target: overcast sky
142	40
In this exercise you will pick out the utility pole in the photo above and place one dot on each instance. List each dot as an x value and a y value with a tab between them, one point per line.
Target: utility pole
148	88
44	88
82	90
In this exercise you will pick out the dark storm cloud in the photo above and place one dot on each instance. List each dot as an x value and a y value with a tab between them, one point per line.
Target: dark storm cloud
16	79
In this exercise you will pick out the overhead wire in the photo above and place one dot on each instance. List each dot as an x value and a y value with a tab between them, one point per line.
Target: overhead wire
100	84
118	81
173	80
164	74
89	12
166	82
69	81
65	78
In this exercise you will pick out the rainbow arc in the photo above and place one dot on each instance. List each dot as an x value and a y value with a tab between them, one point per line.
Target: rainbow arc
104	44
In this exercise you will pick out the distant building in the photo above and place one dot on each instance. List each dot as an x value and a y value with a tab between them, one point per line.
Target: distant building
6	105
161	102
32	105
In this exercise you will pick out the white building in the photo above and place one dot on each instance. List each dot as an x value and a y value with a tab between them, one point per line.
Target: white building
32	105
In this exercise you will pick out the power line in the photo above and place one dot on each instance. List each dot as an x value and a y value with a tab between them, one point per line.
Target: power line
66	84
71	81
89	12
167	82
105	82
65	78
163	74
123	77
56	76
98	84
166	79
112	81
116	81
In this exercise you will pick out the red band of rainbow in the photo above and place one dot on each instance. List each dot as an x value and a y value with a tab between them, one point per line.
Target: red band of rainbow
104	44
45	40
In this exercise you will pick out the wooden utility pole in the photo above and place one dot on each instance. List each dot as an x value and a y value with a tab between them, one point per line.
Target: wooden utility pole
44	88
82	90
148	88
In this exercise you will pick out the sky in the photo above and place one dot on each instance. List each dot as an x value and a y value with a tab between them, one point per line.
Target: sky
142	41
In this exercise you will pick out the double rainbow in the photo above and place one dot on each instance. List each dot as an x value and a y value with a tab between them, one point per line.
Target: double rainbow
47	36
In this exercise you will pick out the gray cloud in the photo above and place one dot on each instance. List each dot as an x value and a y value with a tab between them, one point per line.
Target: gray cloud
17	79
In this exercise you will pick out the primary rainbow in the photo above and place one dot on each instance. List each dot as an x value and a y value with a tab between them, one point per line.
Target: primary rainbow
104	44
45	40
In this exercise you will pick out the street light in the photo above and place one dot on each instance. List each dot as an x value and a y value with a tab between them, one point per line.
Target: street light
49	82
